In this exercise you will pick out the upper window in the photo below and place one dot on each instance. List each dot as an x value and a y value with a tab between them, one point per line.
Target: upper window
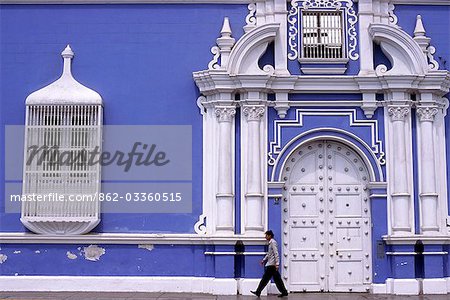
63	125
322	35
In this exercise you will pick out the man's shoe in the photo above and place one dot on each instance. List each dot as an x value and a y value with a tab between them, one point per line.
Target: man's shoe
282	295
255	293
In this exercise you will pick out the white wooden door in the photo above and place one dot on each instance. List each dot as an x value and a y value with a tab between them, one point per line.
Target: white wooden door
326	220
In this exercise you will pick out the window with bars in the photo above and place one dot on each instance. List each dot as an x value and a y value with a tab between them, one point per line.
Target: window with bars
62	136
322	35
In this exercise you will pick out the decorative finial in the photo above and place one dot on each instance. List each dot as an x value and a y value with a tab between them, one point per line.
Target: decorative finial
419	30
225	42
67	54
226	29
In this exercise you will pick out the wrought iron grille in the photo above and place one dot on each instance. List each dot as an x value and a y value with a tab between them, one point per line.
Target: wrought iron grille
59	139
322	33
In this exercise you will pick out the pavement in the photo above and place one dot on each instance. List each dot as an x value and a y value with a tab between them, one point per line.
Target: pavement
184	296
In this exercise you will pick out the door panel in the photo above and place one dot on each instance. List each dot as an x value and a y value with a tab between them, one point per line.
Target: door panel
326	235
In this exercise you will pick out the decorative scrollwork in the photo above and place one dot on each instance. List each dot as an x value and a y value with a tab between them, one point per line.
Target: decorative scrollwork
270	70
392	17
293	23
381	70
200	226
293	31
433	65
214	63
250	19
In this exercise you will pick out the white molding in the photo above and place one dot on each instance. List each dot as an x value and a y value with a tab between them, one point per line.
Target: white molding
251	46
322	71
422	2
124	1
399	2
405	55
155	284
412	239
181	284
127	238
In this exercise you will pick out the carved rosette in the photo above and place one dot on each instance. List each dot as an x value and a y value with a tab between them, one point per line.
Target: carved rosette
254	113
427	113
225	114
398	113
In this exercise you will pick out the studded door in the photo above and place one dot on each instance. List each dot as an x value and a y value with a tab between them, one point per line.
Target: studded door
326	220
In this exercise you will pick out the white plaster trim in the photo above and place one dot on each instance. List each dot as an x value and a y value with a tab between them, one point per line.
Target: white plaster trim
403	286
322	71
412	239
209	285
327	137
250	47
405	2
435	286
180	284
124	1
405	55
422	2
376	149
234	253
127	238
413	286
415	253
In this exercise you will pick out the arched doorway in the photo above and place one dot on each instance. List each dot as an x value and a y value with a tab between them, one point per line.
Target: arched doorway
326	219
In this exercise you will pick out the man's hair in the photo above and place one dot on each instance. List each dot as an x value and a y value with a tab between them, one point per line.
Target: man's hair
269	233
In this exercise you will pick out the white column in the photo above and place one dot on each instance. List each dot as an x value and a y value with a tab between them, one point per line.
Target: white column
365	15
428	193
254	197
225	196
400	196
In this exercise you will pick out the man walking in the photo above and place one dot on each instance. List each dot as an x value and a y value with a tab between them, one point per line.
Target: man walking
272	261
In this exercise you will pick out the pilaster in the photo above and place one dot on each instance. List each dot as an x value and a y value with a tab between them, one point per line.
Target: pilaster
401	205
253	152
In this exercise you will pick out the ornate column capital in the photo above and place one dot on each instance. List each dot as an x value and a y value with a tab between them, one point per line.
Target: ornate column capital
225	113
426	113
254	112
398	113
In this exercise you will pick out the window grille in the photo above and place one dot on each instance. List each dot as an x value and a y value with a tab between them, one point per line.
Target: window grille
58	141
63	130
322	34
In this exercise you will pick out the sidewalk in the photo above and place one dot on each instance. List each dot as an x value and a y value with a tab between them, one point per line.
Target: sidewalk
175	296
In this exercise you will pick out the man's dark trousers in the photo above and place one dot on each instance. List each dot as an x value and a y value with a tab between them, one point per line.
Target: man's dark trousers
269	272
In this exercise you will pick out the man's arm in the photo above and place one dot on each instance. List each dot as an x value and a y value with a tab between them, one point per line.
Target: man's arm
275	253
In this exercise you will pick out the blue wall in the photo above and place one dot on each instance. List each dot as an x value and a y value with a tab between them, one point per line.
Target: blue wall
140	58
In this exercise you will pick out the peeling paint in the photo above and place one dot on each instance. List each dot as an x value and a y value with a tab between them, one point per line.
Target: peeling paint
93	252
3	258
149	247
17	252
70	255
37	251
